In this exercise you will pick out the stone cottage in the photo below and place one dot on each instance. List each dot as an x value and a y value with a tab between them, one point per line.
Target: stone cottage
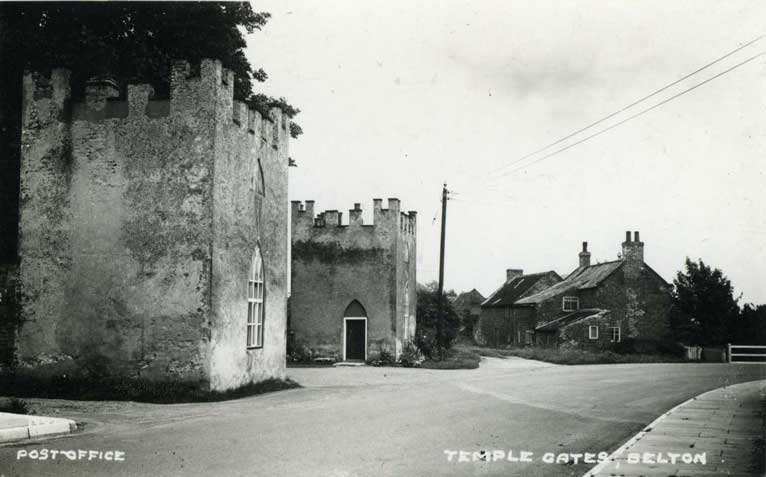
353	290
501	321
153	232
600	305
468	306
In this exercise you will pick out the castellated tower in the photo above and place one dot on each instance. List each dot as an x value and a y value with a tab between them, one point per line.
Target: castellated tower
153	233
353	290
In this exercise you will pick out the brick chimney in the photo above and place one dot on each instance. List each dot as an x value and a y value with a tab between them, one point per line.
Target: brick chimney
584	256
632	250
633	256
512	273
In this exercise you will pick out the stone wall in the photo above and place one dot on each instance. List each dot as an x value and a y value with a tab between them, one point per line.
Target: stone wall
137	230
9	314
577	334
334	264
639	305
500	326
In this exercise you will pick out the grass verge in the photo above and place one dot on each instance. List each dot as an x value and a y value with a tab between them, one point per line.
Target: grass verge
454	358
574	356
124	389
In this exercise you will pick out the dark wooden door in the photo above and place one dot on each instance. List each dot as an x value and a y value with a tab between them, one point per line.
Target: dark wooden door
355	340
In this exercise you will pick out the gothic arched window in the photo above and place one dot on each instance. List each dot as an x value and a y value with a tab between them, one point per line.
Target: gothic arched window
255	293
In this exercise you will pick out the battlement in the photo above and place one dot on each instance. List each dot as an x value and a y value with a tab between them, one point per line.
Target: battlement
303	215
208	94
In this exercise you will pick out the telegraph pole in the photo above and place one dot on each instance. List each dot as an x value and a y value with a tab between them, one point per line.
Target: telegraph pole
439	308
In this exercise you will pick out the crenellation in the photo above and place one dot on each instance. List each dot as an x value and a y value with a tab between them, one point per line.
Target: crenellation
46	98
139	96
385	221
205	93
240	116
355	216
99	90
253	121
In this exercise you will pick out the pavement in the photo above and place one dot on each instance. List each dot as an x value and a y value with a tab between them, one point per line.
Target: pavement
711	434
19	427
381	421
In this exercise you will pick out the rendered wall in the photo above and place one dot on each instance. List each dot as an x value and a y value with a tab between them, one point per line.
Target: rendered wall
243	218
334	264
131	261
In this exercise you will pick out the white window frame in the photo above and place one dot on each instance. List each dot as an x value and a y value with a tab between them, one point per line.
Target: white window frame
591	334
570	300
345	320
616	334
255	302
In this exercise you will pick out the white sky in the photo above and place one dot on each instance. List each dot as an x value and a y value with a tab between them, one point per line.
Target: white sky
399	96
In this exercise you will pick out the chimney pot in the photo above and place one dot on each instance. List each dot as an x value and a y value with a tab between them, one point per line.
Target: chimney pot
627	236
585	246
512	273
635	236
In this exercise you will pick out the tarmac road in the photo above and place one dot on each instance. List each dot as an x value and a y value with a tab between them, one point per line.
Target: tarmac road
382	421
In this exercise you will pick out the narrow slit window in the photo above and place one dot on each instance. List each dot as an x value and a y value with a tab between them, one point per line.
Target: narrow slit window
593	332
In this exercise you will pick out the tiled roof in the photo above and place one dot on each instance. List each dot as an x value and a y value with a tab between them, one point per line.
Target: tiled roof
510	292
571	318
580	279
469	298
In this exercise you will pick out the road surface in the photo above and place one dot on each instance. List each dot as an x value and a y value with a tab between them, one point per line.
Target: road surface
382	421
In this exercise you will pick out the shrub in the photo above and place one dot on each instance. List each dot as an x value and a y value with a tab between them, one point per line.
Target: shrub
426	343
649	346
411	356
427	317
382	358
14	406
455	358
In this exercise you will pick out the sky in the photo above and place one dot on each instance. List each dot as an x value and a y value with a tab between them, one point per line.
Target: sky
398	97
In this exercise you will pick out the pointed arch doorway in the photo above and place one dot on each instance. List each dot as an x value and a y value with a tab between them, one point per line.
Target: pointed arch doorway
355	332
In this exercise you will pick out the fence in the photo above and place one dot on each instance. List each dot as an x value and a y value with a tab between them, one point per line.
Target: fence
759	355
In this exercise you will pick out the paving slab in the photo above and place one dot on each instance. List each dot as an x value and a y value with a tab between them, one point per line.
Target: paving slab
723	425
18	427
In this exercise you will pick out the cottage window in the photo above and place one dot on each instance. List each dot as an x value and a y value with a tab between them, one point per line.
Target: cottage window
616	334
593	332
255	302
570	303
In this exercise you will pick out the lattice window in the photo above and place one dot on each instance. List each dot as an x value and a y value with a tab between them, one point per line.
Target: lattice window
255	302
570	303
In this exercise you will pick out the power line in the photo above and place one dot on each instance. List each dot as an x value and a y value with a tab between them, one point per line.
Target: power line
623	109
558	151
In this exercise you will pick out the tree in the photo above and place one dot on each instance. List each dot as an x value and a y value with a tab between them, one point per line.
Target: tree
427	316
705	311
751	326
132	41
